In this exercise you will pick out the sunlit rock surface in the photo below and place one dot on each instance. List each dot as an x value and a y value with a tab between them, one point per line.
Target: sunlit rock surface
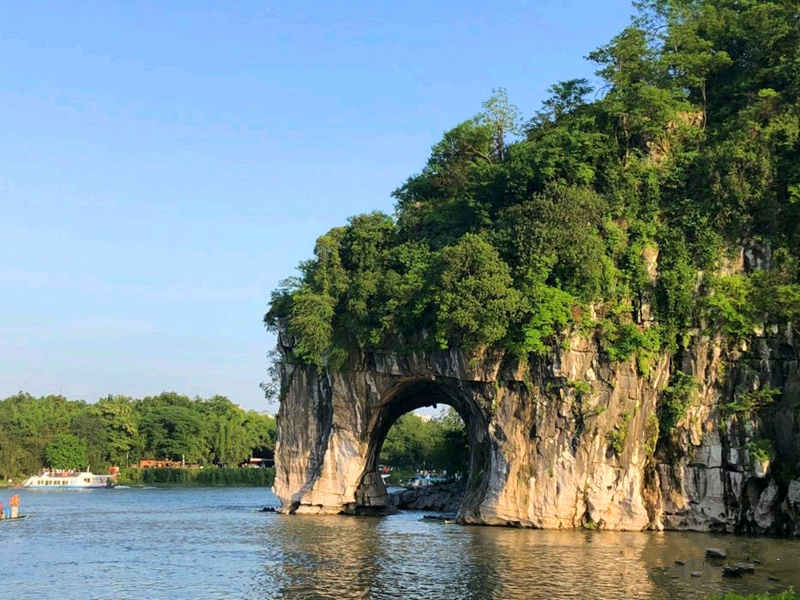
563	441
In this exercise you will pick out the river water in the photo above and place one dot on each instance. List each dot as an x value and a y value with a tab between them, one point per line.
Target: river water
213	543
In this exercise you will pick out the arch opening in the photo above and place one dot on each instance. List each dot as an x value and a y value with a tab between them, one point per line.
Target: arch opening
371	496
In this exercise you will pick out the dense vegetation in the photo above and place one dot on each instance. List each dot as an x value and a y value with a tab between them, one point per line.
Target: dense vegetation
223	476
116	430
789	594
435	444
614	210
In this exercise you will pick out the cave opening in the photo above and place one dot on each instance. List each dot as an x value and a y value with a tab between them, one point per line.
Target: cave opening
447	454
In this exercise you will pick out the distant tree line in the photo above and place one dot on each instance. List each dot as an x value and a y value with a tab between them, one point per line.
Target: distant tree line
223	476
52	431
439	443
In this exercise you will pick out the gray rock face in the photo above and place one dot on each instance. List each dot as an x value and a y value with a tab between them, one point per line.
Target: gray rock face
566	441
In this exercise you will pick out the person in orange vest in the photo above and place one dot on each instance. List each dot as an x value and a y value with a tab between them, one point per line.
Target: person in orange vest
14	502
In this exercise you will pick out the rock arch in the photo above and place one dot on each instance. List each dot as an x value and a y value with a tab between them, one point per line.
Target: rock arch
540	451
560	441
333	424
407	396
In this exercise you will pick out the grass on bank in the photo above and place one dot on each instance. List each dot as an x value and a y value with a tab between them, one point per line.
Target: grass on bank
210	476
789	594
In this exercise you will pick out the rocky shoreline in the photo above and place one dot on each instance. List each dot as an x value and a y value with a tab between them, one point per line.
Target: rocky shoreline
442	497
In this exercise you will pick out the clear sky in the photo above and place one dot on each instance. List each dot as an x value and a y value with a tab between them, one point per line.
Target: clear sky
164	164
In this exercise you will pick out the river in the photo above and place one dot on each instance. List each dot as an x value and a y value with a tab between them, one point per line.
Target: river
213	543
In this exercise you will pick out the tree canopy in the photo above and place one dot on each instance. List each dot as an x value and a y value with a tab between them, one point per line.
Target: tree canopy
606	211
117	430
66	451
440	443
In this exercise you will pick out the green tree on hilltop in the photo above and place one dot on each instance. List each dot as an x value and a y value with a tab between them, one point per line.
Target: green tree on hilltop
607	215
473	299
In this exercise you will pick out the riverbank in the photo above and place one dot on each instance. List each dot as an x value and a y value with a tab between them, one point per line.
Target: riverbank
209	476
787	595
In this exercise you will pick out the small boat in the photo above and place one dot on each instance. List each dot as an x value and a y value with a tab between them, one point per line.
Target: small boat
19	518
68	479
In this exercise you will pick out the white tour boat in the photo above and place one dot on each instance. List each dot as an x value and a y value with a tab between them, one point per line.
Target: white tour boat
68	479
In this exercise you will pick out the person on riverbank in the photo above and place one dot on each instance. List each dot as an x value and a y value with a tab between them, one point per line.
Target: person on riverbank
2	512
14	502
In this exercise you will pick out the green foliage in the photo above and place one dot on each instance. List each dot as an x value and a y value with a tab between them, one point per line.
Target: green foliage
232	434
651	432
28	425
581	387
473	300
620	341
761	450
789	594
417	443
626	203
548	311
311	324
740	304
729	305
617	437
676	399
211	476
117	430
590	525
66	451
173	432
748	402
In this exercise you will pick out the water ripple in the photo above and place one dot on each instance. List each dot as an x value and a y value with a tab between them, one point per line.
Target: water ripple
212	543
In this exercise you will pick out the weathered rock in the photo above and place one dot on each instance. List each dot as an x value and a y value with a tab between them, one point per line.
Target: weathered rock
696	574
728	571
564	441
443	497
716	553
790	508
540	451
764	512
745	567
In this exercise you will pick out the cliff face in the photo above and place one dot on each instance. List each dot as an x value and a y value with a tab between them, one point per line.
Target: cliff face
709	475
569	441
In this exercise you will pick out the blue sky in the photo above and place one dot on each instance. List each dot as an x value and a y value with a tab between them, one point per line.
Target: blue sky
164	164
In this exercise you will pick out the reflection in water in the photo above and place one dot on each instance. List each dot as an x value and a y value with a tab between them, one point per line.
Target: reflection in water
403	556
327	557
545	564
213	544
